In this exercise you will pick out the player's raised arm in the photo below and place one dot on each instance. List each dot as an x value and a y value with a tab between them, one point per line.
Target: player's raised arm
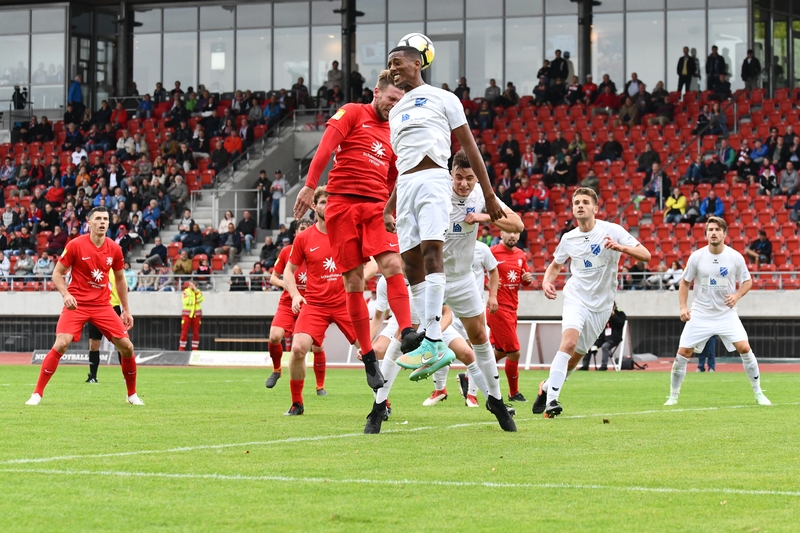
464	136
305	199
122	294
550	275
61	286
494	284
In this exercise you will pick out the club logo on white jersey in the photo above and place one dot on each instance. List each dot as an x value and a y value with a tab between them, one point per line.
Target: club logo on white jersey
405	117
457	228
109	261
596	249
97	275
723	271
329	264
712	281
377	147
470	210
419	102
512	276
587	263
302	278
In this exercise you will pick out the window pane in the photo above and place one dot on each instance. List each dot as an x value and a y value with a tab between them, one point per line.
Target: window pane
445	27
729	3
608	54
322	13
216	60
560	7
150	20
253	15
523	54
253	60
146	61
523	7
180	59
727	28
374	11
672	4
396	32
47	54
371	52
611	5
291	14
182	18
216	17
484	8
14	22
484	54
14	59
291	56
44	20
105	24
646	61
407	10
561	33
645	4
326	47
445	9
685	28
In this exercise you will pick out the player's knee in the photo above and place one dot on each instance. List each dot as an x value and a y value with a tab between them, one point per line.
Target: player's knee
742	347
466	356
390	265
125	347
299	352
62	343
685	352
568	346
275	335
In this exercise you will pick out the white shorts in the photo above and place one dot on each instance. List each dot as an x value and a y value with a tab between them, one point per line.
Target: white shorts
390	328
454	331
589	323
463	297
698	330
423	207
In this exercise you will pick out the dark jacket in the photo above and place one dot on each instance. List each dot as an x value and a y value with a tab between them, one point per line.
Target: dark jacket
616	322
691	67
751	70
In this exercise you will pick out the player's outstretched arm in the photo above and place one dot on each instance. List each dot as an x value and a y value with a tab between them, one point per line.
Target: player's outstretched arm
512	223
464	136
290	285
744	288
61	286
122	294
550	275
305	199
494	284
376	323
683	298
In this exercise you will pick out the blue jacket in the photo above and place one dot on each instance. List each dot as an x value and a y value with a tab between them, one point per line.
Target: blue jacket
144	105
717	212
759	152
75	94
152	215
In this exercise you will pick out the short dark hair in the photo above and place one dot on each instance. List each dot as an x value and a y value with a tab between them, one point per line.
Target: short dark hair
409	51
719	222
94	210
586	191
319	193
460	160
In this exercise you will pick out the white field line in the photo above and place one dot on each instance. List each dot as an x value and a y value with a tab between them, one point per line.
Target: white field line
360	434
401	482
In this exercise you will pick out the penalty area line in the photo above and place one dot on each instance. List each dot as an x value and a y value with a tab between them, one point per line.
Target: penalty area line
409	482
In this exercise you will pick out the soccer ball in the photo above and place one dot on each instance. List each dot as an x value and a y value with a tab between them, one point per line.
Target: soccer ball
421	43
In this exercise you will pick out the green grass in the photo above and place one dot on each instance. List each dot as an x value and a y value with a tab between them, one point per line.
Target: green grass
574	473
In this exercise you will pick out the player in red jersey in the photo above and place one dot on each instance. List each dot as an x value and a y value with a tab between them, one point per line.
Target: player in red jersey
284	320
86	300
322	304
359	184
514	271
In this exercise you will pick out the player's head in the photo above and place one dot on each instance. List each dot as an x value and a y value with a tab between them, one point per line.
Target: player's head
304	224
405	66
584	203
716	230
385	95
464	178
320	201
510	239
98	220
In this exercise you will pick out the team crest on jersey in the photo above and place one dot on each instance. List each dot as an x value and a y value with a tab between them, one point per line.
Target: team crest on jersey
596	249
587	263
339	114
419	102
470	210
377	147
109	261
712	282
329	264
723	271
97	275
512	276
405	117
456	228
302	277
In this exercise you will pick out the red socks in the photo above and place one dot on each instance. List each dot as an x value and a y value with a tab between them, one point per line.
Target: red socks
319	369
399	303
276	353
49	366
512	374
359	316
296	386
129	373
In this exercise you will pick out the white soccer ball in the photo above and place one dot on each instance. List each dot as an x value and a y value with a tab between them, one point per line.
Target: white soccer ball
421	43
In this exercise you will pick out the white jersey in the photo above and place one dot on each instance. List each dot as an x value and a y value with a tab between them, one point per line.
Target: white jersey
483	261
715	277
593	267
460	238
382	299
421	124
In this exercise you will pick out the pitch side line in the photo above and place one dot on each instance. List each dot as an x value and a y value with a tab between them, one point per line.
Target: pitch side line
352	435
401	482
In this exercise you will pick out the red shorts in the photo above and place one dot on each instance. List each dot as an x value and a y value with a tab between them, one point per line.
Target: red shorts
102	317
356	231
314	320
284	318
503	330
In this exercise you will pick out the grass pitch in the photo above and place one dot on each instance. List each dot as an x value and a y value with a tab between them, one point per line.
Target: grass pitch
211	451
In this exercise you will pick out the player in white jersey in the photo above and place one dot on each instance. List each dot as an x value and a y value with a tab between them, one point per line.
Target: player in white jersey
716	271
421	124
595	248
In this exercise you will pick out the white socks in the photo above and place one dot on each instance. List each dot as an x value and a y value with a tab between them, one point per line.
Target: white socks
558	375
751	368
434	299
440	378
476	380
678	373
389	369
484	358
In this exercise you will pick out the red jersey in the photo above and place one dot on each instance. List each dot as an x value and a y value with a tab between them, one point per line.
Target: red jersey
299	274
324	284
364	161
510	266
91	267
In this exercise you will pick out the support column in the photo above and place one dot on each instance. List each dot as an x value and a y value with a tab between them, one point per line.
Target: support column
123	47
585	37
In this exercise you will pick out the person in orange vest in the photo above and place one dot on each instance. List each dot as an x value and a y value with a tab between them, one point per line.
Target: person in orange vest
192	316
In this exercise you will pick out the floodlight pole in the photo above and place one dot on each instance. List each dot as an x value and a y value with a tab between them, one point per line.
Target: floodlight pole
349	14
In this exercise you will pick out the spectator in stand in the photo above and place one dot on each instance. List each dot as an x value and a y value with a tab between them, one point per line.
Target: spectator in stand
125	147
606	103
686	70
550	177
540	92
510	95
102	116
278	189
256	113
718	121
751	71
504	194
643	100
219	158
177	114
246	134
335	76
542	150
176	91
238	104
467	103
703	121
24	265
541	197
692	209
73	138
632	85
715	65
557	93
744	151
49	219
656	182
577	148
257	277
727	155
509	154
675	206
199	145
647	158
272	112
485	116
269	253
711	206
747	171
715	171
233	144
182	267
178	193
629	113
611	150
789	181
588	90
230	243
574	91
193	241
462	86
760	250
301	94
5	264
664	111
119	117
152	216
558	68
182	133
185	157
794	148
558	144
522	197
247	230
607	83
492	93
145	109
659	95
209	241
760	152
168	148
44	267
528	162
544	72
723	89
56	194
238	282
780	152
794	213
567	172
158	255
